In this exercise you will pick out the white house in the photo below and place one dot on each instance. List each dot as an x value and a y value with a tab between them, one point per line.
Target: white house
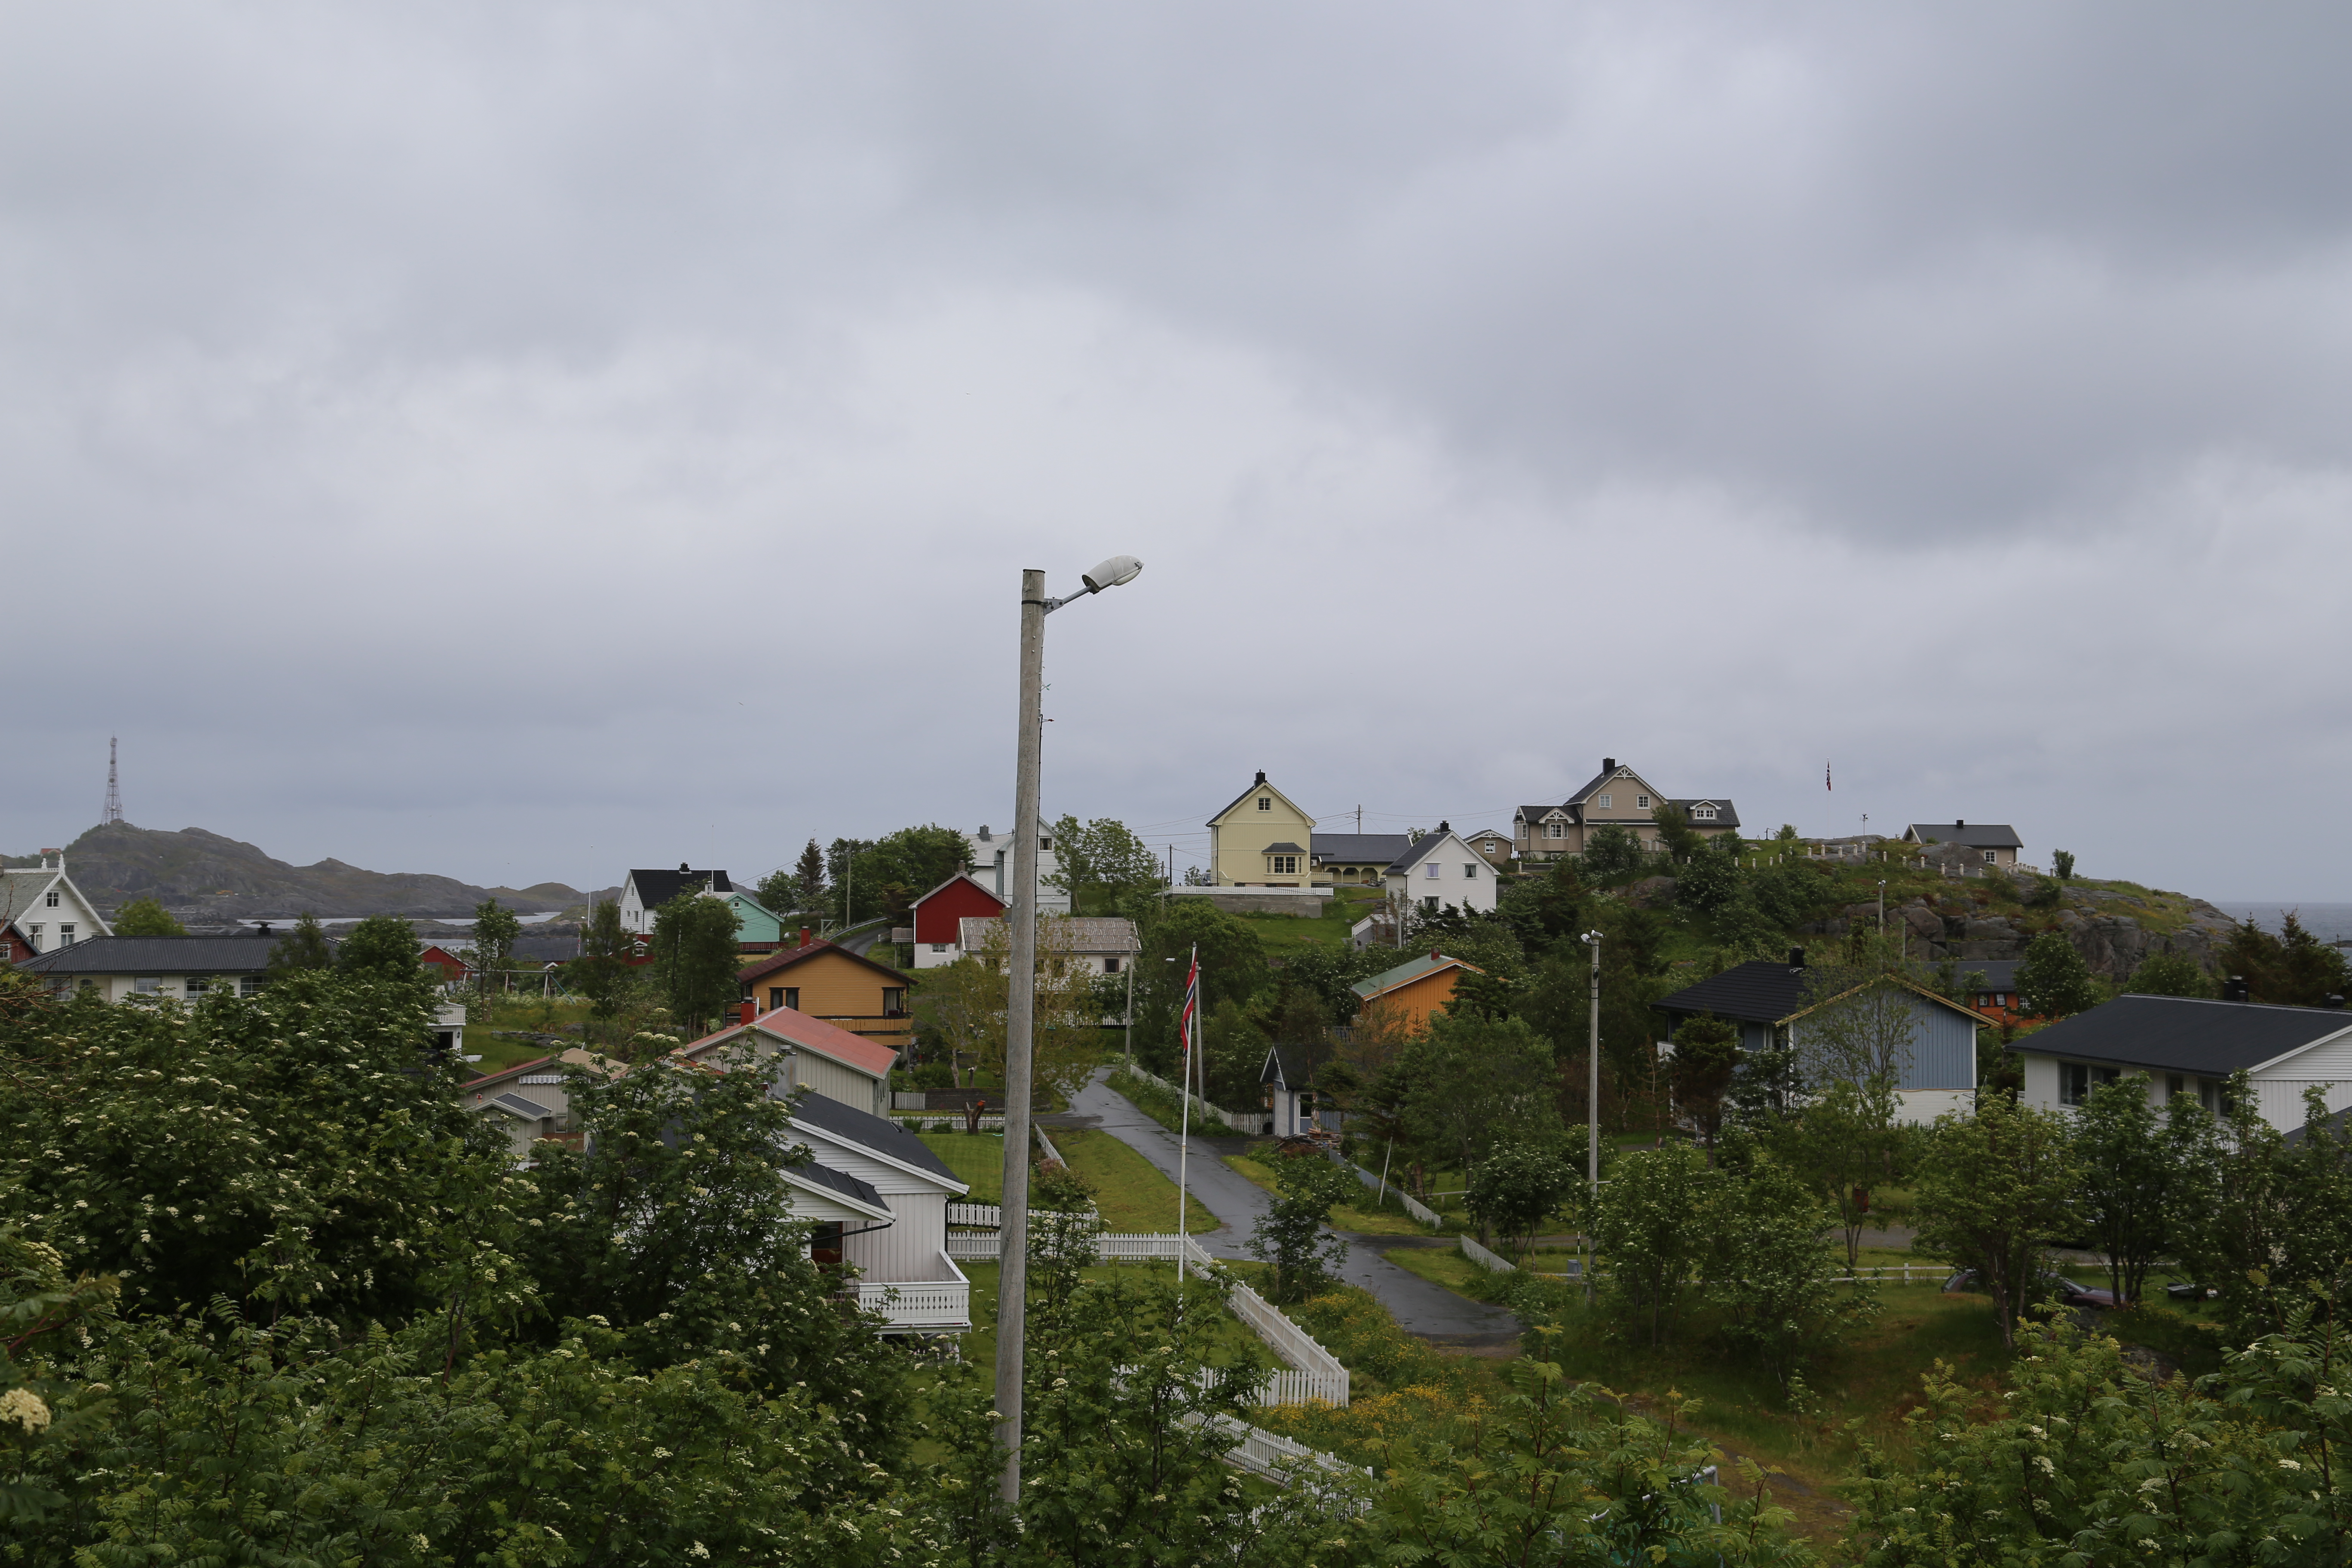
812	1053
989	856
904	1270
2187	1045
643	892
43	904
1099	944
1439	870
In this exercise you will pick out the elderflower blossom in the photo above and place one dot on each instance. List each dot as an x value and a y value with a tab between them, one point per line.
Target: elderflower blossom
23	1407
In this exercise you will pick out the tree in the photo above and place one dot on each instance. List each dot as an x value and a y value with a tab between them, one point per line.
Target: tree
1678	841
1102	866
383	947
495	931
2053	981
1991	1187
1769	1275
1232	968
960	1015
2169	974
1706	1054
798	888
886	875
1612	856
1519	1184
1468	1084
603	966
1651	1220
2064	860
1706	881
1289	1235
2128	1181
697	953
304	947
146	917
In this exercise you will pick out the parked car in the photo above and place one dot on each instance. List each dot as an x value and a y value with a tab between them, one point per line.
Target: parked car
2059	1287
2190	1292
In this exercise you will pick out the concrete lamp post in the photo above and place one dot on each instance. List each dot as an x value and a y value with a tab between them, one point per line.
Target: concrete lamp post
1021	1007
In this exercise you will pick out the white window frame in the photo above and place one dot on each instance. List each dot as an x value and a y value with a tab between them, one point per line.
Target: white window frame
1603	802
1470	872
1266	803
50	900
1989	856
1640	803
1555	831
1432	871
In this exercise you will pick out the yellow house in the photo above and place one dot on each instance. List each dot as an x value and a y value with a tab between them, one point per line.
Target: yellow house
1403	998
1262	840
830	983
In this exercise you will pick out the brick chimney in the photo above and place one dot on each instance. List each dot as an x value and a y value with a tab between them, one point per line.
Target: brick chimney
804	936
751	1011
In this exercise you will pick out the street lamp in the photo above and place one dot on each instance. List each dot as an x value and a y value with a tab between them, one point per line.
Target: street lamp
1021	1007
1591	939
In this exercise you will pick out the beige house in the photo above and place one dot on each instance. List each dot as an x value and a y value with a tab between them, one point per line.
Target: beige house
1616	796
1262	840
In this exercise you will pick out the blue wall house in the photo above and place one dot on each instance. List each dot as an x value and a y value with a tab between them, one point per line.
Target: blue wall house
1771	1002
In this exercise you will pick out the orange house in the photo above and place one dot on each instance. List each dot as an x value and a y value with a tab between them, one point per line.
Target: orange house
826	981
1410	991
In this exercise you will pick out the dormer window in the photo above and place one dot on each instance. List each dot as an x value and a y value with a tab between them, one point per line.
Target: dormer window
1266	803
1702	814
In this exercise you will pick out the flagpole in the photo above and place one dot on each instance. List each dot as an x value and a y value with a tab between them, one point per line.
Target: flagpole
1184	1095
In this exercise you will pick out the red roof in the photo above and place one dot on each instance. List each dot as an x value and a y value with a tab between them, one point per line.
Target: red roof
815	1035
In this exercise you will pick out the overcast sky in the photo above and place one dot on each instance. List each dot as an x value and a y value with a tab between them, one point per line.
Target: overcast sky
527	442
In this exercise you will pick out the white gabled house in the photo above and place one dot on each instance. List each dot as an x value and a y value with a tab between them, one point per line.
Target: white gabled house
1442	870
2188	1045
901	1252
644	891
46	907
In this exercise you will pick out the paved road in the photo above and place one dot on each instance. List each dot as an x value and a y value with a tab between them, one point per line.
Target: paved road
1430	1311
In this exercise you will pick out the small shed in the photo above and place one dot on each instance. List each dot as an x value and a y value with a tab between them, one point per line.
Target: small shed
1288	1077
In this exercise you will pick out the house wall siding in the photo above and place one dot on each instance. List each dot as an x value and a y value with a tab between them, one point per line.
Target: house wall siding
1239	837
837	1082
1412	1003
836	987
911	1248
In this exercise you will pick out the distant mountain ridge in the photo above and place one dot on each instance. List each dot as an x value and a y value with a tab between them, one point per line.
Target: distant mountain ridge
194	873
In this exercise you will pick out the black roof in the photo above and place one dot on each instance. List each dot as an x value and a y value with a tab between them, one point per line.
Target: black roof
655	888
842	1182
1364	848
1288	1066
1971	834
1725	814
1761	991
2000	973
237	955
882	1137
2185	1034
546	949
1285	847
521	1106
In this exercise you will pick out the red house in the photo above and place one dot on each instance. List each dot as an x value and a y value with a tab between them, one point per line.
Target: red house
14	948
452	968
939	914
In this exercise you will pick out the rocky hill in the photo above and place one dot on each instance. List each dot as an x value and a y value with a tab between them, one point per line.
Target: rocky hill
201	876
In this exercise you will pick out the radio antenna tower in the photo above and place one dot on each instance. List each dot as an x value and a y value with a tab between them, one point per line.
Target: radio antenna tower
113	788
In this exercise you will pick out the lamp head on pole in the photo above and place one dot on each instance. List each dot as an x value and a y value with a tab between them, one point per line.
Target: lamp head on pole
1591	939
1118	569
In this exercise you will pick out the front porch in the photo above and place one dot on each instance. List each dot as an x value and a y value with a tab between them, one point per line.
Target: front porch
938	1303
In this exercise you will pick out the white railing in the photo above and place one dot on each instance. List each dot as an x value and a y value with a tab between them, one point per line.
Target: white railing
946	1122
1413	1206
991	1216
1897	1274
1273	1456
1252	1122
1485	1259
1319	1367
920	1303
1045	1146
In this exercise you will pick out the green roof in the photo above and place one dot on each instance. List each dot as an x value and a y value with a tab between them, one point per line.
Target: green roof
1389	979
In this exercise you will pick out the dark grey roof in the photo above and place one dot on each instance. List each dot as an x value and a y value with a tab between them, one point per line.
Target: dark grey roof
521	1106
2000	973
842	1182
660	887
1285	847
1373	849
1971	834
2185	1034
1761	991
2335	1125
1538	813
1414	853
882	1137
1288	1066
239	954
1725	814
546	949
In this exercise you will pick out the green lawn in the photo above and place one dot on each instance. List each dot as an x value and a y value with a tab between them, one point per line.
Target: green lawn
1236	1343
975	1157
1134	1197
1389	1219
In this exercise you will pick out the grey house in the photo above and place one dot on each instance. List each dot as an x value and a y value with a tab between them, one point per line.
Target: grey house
1771	1002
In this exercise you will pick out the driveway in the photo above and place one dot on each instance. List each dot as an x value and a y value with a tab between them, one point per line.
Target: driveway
1429	1311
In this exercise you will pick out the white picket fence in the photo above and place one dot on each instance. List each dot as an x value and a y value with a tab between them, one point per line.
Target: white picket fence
1274	1457
1485	1259
948	1121
1257	1122
1898	1274
991	1216
1413	1206
1319	1373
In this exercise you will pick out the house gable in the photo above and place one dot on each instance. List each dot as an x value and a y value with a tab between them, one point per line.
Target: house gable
1629	797
1244	809
939	913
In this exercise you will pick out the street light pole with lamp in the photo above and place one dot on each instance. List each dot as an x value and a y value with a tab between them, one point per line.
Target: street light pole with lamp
1021	1005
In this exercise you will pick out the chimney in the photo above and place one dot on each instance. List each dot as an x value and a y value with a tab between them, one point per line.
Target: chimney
983	833
1959	822
1796	958
1435	955
2234	988
804	936
683	869
751	1011
1608	765
1261	775
1443	825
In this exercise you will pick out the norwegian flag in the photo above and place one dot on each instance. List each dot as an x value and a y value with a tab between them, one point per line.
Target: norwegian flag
1191	999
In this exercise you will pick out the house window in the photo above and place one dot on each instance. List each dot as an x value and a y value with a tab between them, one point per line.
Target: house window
1044	843
33	935
1490	846
894	1000
51	901
824	1247
65	936
1642	802
1110	966
1604	803
249	984
1429	904
2174	1084
2076	1080
1703	813
1987	853
1282	865
195	986
1266	803
792	998
775	998
146	985
1471	870
1430	870
939	947
1555	831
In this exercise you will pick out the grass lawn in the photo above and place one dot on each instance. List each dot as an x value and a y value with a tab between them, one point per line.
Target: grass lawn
1237	1345
498	1053
1163	1106
975	1157
1280	934
1134	1197
1390	1219
1443	1266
